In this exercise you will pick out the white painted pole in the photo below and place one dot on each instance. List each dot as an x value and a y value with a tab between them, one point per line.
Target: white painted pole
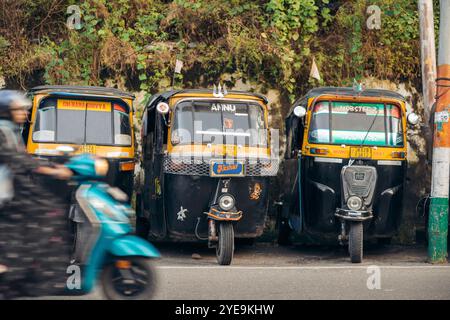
428	55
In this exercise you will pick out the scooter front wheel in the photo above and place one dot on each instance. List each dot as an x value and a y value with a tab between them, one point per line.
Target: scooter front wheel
225	246
130	278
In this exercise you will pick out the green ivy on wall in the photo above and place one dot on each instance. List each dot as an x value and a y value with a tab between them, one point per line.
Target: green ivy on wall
134	43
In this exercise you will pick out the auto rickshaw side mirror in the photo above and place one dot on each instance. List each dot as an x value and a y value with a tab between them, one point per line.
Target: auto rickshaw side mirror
300	111
162	108
413	118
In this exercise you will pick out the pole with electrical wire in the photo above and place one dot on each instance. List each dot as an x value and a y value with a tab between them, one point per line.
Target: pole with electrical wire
438	217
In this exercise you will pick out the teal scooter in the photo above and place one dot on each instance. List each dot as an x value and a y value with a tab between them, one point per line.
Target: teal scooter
104	247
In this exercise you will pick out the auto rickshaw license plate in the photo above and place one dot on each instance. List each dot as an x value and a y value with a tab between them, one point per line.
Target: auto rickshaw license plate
361	153
224	169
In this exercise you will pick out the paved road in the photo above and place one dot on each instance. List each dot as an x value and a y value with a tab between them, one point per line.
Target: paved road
312	282
269	272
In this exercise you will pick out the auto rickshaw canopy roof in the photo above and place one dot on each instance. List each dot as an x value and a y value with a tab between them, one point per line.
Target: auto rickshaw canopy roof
349	92
193	92
82	90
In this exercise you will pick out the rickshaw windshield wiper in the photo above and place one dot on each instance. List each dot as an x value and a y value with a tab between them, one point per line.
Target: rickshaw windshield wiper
370	128
351	161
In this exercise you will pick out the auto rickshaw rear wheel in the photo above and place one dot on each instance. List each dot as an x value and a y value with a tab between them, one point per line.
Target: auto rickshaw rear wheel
225	245
355	242
116	287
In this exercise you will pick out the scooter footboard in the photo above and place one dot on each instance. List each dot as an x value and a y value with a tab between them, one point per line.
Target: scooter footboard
131	245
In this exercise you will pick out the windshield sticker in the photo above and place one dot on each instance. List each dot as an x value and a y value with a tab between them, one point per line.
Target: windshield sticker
228	123
98	106
71	105
83	105
348	137
223	107
343	107
372	110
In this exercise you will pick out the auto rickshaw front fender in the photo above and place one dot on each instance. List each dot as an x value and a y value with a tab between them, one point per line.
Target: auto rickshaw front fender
133	246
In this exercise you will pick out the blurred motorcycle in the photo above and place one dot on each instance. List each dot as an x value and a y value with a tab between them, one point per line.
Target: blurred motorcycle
104	247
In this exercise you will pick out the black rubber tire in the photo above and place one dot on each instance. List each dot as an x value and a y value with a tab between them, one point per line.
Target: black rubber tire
109	273
284	233
355	242
142	227
225	245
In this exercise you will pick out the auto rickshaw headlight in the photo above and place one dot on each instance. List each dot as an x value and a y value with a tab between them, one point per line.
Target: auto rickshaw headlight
101	167
413	118
354	203
226	202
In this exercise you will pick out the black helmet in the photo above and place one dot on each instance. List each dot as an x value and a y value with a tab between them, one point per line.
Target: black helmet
10	98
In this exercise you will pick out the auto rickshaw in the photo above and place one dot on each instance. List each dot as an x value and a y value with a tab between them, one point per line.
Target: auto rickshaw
94	120
206	163
345	166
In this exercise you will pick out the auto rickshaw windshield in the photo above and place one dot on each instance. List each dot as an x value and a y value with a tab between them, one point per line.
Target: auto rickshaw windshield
355	123
82	121
218	122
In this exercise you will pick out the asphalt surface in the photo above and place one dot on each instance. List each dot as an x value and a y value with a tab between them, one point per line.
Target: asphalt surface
265	271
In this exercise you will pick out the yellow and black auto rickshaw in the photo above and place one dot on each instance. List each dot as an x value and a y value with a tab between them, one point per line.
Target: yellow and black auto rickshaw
94	120
345	166
206	165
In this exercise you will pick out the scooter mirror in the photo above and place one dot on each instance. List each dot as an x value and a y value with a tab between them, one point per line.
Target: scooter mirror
66	150
299	111
413	118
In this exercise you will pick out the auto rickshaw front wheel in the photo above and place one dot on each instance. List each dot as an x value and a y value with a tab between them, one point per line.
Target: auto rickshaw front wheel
355	242
225	245
130	278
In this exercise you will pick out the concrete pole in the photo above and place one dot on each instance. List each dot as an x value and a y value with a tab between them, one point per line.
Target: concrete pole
428	55
438	218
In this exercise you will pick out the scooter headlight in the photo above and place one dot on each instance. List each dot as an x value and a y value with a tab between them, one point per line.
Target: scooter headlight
354	203
226	202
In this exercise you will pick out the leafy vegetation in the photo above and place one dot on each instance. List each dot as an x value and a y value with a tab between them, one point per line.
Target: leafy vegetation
134	43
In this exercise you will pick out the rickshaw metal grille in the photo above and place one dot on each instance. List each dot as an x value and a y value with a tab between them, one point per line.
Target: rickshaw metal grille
197	167
362	187
359	190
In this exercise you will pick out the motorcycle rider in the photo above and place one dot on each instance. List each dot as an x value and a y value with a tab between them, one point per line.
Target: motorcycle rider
34	236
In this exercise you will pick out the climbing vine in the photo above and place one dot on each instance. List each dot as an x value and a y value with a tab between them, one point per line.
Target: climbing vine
134	44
